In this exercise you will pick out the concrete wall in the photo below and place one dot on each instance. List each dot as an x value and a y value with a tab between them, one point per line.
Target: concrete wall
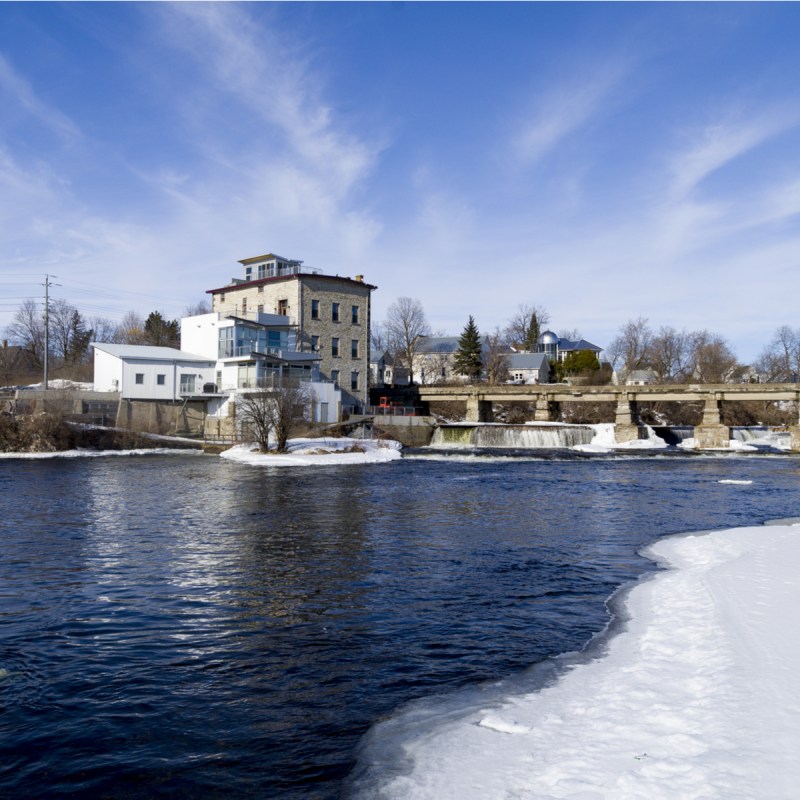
161	417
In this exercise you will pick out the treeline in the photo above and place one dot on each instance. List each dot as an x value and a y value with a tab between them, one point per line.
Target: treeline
70	335
667	354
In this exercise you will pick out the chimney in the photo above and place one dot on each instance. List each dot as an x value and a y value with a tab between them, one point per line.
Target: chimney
360	278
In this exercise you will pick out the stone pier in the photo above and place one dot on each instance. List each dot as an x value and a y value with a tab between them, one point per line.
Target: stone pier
627	427
544	409
479	410
711	433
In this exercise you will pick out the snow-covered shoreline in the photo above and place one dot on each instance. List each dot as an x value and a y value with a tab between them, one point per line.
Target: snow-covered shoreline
694	695
323	451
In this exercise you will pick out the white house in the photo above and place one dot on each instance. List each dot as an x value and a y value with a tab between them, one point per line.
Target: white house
141	372
529	367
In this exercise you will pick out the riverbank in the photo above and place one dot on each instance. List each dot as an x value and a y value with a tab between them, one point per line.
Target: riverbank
696	696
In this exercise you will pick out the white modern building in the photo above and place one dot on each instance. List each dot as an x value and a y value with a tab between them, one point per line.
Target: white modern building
141	372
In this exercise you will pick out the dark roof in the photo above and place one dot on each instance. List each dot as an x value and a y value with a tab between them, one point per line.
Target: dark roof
528	361
579	344
260	281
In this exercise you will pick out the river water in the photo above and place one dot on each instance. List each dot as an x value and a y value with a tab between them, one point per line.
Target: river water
183	626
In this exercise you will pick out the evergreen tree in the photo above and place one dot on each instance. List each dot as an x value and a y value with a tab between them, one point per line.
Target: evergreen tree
468	356
79	338
531	343
162	332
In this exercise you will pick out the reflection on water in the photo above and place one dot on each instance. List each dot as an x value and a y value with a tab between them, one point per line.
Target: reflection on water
194	627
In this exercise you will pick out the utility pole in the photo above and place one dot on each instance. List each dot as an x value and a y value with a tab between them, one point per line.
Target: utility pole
47	286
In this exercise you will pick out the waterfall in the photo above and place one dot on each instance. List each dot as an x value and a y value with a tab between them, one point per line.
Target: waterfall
512	436
761	436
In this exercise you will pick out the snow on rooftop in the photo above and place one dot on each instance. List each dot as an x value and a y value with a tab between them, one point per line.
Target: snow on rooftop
696	697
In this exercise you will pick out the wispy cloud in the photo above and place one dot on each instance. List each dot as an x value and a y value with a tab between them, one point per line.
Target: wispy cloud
567	109
719	144
24	95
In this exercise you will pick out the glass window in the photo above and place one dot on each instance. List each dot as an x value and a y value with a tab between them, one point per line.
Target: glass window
161	380
335	347
283	307
315	344
187	384
315	309
335	375
244	306
354	348
355	315
140	378
335	312
354	380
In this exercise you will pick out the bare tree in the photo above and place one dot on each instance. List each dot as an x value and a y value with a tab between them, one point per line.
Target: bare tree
198	308
669	354
523	329
27	330
495	355
130	330
630	348
104	329
378	336
572	334
277	412
780	361
406	325
713	361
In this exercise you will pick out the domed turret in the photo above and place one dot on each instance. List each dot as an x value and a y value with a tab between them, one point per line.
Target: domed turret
548	343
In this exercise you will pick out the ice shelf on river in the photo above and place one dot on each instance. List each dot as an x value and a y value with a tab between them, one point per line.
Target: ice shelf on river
696	696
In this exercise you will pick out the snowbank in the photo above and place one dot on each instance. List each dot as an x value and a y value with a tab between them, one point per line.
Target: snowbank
696	697
308	452
604	440
143	451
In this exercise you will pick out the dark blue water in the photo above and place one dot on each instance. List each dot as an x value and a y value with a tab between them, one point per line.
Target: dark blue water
187	627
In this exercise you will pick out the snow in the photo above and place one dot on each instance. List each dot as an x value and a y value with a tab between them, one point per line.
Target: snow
310	452
604	440
696	696
59	383
86	453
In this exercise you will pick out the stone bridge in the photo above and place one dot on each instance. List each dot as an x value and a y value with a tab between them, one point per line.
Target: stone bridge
710	433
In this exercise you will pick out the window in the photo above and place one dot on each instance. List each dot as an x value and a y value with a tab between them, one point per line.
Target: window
222	297
262	271
355	315
248	273
335	312
354	380
244	306
315	344
140	378
260	308
354	348
187	384
261	288
335	375
283	307
315	309
335	347
161	380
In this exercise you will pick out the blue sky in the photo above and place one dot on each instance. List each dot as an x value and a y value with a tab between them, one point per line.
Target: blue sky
607	161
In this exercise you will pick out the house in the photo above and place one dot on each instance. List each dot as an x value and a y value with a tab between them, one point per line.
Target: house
435	360
141	372
558	348
641	377
528	368
328	315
